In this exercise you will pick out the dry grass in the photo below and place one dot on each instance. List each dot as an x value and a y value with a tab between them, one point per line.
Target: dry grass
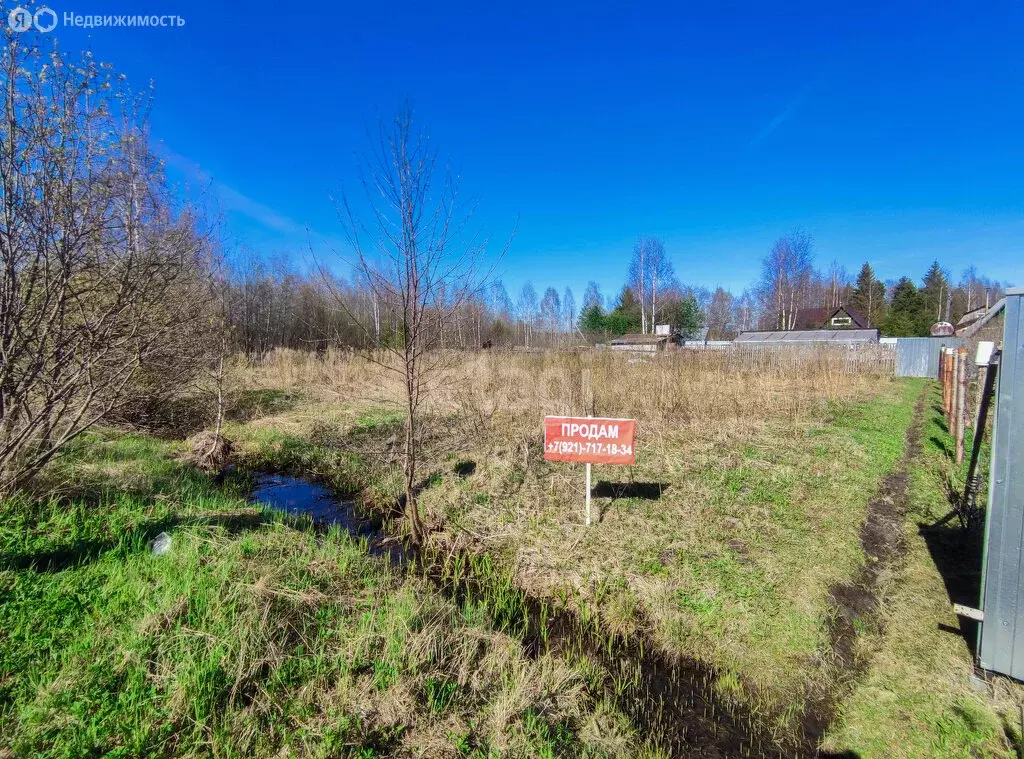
754	482
676	388
744	508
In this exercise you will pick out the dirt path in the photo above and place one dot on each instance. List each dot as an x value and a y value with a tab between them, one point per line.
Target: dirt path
855	603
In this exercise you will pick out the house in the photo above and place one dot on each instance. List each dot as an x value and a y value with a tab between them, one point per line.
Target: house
841	317
970	317
642	343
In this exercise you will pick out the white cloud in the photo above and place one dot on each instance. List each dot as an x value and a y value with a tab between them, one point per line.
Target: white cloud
230	199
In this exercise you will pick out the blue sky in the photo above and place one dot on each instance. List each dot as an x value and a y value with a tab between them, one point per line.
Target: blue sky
892	132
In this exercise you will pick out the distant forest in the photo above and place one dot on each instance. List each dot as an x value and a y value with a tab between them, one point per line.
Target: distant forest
274	305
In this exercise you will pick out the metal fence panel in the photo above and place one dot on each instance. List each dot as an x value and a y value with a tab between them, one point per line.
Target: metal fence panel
1002	631
919	356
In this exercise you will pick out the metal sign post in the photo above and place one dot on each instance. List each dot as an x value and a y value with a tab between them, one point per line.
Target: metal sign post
588	494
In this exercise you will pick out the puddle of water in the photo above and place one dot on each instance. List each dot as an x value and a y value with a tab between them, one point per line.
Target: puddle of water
299	497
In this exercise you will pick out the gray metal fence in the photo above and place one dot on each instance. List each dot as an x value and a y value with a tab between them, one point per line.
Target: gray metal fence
919	356
1001	638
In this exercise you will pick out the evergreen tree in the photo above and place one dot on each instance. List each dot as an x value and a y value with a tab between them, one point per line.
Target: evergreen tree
908	315
684	315
626	317
868	297
935	294
592	319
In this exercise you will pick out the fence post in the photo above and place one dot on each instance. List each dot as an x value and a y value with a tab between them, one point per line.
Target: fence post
951	384
944	379
961	403
982	374
946	386
951	416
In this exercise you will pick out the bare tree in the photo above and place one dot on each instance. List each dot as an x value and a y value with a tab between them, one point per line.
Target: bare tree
974	290
650	274
745	311
592	296
719	314
787	275
838	285
102	290
568	310
639	276
550	310
411	250
528	310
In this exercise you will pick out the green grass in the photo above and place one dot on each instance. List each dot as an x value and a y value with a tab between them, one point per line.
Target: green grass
250	637
916	699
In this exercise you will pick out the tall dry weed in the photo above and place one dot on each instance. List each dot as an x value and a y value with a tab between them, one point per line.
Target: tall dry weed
509	392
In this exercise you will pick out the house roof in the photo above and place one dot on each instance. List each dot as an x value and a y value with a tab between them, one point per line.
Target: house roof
810	318
972	316
835	336
855	315
977	325
819	318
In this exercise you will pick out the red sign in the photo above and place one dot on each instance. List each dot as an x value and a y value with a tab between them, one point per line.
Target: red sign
589	441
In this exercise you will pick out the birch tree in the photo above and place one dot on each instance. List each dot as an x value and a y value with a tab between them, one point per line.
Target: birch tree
411	249
787	274
650	276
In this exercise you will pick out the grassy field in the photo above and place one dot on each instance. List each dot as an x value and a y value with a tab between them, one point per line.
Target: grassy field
920	697
252	636
744	507
722	547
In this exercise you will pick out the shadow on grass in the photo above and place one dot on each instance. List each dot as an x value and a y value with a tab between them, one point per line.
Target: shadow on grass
465	469
650	491
940	412
1014	734
252	404
956	553
942	446
83	551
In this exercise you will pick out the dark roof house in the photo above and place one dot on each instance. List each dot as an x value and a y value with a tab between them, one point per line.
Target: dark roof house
842	317
810	318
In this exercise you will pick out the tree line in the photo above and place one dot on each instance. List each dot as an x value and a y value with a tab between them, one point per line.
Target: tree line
108	283
281	303
899	308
